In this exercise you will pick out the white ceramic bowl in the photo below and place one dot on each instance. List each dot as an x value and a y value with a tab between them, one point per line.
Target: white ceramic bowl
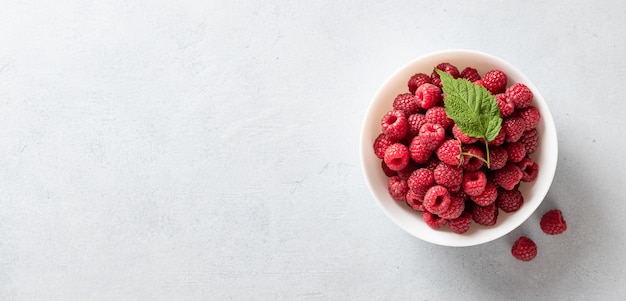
534	192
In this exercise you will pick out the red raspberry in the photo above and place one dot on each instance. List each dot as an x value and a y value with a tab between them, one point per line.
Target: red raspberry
406	172
524	249
456	207
530	140
432	163
433	220
472	162
415	201
397	156
415	123
520	95
381	144
420	180
461	224
398	188
498	157
417	80
432	135
395	125
470	74
447	67
508	176
552	222
418	151
437	199
428	95
514	128
485	215
474	182
531	116
406	103
488	196
509	200
494	81
515	151
450	152
465	139
438	115
530	169
388	172
506	107
448	176
499	138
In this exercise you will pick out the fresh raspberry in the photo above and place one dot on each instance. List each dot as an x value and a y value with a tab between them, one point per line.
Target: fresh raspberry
420	180
472	162
437	199
509	200
514	128
450	152
449	176
524	249
506	107
485	215
433	221
465	139
499	138
530	140
398	188
498	157
428	95
456	207
388	172
470	74
488	196
406	172
414	201
531	116
432	163
397	156
552	222
515	151
461	224
432	135
494	81
438	115
417	80
520	95
508	176
474	182
415	123
418	151
406	103
447	67
529	168
381	144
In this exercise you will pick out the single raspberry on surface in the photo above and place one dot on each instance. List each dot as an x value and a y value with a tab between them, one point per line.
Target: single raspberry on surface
388	172
395	125
530	140
520	95
514	128
508	176
515	151
485	215
381	144
552	222
397	156
450	152
414	201
417	80
465	139
499	138
509	200
531	116
438	115
498	156
418	151
428	95
472	162
406	103
495	81
432	135
415	121
461	224
421	180
449	176
434	221
474	182
506	107
398	188
457	205
524	249
470	74
437	199
488	196
529	168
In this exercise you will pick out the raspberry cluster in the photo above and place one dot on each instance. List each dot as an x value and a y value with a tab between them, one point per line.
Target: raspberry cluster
439	171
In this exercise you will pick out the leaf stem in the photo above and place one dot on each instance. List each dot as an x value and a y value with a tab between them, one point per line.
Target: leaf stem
487	151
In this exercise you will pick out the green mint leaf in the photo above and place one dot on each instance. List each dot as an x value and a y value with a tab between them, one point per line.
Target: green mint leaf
473	109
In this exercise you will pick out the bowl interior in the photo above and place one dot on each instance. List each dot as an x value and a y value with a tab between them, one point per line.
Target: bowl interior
400	213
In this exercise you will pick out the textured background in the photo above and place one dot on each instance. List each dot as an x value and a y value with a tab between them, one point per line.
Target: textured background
181	150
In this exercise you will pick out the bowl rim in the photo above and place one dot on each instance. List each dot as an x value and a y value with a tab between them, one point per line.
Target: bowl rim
547	170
